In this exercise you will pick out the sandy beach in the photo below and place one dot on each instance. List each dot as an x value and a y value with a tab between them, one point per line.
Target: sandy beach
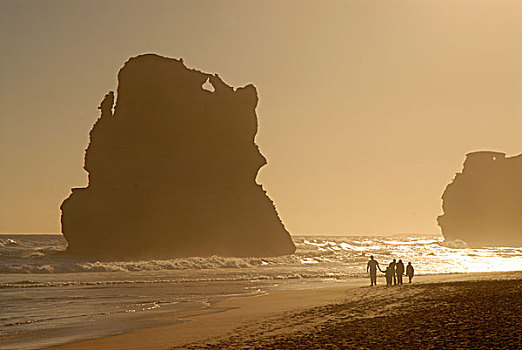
460	311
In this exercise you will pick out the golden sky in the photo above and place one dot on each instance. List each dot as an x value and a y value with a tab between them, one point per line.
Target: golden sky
367	108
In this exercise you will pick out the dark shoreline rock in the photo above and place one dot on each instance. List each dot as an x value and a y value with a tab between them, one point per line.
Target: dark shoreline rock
483	204
172	171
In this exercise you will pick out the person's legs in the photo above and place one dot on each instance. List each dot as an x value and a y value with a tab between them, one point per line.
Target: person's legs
373	278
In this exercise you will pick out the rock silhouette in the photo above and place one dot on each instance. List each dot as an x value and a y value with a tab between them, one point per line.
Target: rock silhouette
172	171
483	204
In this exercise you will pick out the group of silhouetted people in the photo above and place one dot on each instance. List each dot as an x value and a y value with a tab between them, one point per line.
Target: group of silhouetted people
393	272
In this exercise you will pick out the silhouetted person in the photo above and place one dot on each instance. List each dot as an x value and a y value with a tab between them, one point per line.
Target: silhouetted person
410	271
372	266
389	273
393	266
399	271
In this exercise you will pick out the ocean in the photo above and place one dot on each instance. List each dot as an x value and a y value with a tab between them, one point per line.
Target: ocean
48	298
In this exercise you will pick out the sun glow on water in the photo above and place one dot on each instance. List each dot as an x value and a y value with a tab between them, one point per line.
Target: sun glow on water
315	257
428	255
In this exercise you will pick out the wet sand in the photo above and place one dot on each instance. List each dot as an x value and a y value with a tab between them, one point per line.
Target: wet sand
465	311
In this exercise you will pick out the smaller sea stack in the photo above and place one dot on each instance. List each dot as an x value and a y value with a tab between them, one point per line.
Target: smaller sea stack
483	204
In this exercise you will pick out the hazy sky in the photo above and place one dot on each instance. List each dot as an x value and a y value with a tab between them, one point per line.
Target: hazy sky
366	110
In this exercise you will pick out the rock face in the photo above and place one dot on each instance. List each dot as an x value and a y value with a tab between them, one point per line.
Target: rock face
172	171
483	204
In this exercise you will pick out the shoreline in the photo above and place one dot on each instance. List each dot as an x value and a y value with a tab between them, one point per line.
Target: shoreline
230	317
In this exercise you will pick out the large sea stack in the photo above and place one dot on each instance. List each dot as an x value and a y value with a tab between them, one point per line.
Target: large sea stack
172	171
483	204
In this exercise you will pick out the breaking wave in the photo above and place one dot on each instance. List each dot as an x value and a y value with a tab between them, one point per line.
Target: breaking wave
455	244
65	265
341	256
